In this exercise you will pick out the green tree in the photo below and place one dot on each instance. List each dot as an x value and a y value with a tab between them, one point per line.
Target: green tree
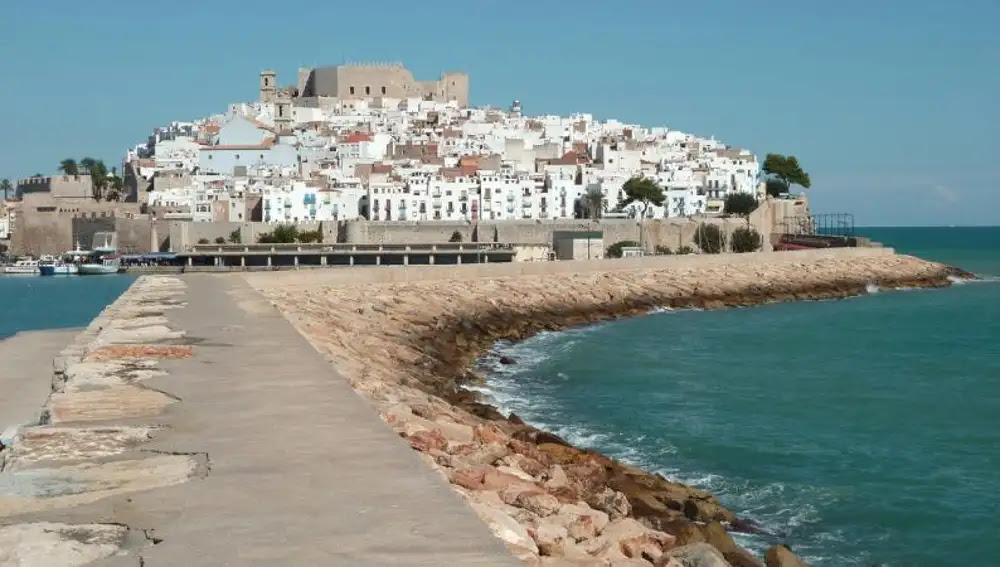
685	250
746	239
662	250
710	238
202	241
775	187
455	237
740	204
220	240
99	178
68	166
282	234
644	191
235	237
787	170
615	250
6	187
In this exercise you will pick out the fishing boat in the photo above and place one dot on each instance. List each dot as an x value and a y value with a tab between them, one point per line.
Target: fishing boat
102	261
26	266
57	267
68	265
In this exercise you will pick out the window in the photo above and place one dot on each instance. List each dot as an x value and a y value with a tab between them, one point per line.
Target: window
237	156
383	90
368	90
352	90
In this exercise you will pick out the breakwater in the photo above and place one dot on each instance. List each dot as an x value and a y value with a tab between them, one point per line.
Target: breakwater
407	339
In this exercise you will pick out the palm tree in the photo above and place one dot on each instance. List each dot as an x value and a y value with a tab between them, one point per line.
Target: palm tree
87	164
69	167
5	186
98	176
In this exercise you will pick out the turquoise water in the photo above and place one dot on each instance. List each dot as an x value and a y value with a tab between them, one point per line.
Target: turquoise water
36	302
860	432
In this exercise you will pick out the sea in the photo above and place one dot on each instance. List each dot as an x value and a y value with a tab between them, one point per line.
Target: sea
30	303
861	431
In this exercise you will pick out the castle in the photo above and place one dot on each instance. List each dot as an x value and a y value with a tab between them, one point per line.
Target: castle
368	80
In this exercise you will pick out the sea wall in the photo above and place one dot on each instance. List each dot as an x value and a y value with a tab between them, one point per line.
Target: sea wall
406	340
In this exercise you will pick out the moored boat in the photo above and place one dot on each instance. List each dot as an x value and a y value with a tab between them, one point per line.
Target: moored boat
101	262
58	268
25	266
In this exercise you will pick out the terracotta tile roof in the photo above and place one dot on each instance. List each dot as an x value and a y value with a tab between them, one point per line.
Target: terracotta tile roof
356	137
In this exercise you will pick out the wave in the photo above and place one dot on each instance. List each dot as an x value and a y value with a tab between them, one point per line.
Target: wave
781	511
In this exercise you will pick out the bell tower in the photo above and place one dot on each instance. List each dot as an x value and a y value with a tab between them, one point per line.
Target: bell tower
268	86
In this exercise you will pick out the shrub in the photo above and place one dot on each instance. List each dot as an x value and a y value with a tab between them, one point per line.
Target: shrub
685	250
308	236
202	241
710	238
455	237
235	237
283	234
615	250
663	251
746	239
220	240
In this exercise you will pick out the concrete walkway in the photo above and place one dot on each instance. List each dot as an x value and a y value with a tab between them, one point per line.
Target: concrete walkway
26	374
300	469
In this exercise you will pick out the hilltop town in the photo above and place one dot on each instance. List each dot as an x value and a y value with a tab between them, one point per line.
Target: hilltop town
368	142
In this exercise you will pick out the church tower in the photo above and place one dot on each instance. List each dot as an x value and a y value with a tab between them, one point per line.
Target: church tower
268	86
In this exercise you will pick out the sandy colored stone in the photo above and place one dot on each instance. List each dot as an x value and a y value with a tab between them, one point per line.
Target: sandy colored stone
45	544
120	402
116	352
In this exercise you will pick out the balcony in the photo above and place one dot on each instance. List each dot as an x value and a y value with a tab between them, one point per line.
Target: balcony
463	197
510	196
526	205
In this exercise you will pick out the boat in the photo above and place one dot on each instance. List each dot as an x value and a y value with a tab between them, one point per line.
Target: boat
102	261
24	266
57	268
68	265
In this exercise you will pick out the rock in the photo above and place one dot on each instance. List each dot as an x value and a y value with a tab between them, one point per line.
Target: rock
740	557
496	480
512	471
636	541
470	478
526	464
537	502
515	419
397	413
549	537
693	555
489	433
782	556
717	536
582	522
427	440
555	477
507	360
481	455
612	502
505	527
455	432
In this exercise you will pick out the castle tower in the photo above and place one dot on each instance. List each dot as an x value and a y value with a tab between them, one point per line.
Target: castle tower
268	86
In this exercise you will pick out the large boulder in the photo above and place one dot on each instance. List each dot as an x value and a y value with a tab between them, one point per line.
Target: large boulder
505	527
582	522
782	556
609	501
693	555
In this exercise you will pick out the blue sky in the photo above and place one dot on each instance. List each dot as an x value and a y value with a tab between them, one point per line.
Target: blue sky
891	105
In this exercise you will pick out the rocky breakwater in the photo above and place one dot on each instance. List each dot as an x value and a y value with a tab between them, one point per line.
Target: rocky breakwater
410	347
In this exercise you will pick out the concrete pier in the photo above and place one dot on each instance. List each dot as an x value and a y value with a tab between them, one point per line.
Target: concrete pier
26	378
193	425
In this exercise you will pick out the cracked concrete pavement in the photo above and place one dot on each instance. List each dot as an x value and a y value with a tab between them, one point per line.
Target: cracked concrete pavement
190	424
